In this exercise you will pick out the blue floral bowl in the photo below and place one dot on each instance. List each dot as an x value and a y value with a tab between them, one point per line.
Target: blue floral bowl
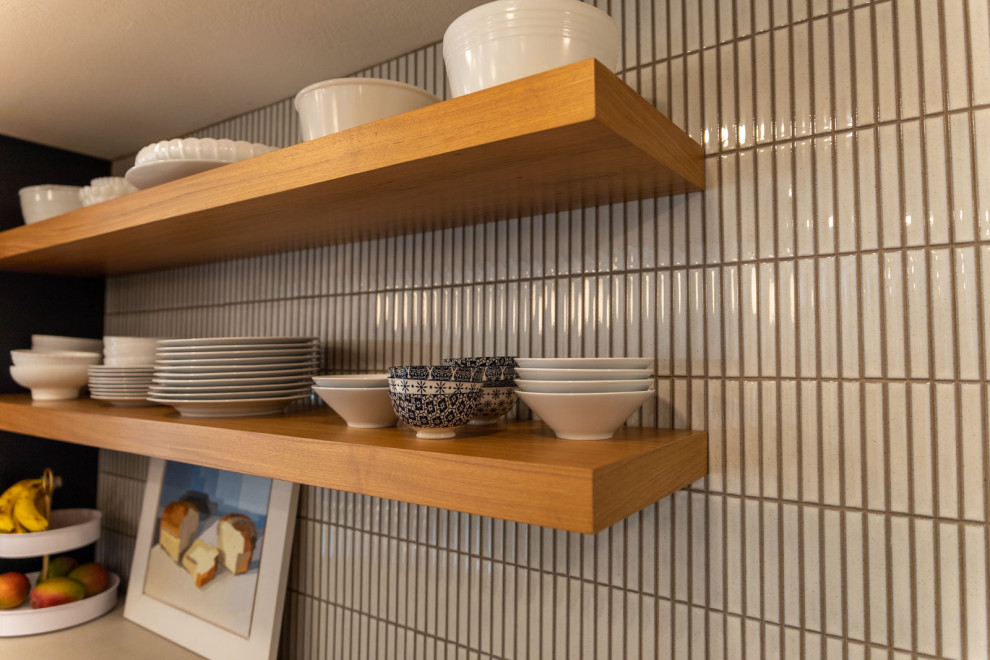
435	410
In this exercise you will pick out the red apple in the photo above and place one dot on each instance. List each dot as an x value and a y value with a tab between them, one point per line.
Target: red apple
57	591
93	576
14	590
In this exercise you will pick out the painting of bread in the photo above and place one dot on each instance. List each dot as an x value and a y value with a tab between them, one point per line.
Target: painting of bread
236	536
177	528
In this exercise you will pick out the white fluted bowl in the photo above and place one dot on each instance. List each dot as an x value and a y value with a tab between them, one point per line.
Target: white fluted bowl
582	416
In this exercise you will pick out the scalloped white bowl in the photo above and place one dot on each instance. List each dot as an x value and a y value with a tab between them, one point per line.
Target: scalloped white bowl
105	188
200	149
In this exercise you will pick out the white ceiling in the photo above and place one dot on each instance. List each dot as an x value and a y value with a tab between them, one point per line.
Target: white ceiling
107	77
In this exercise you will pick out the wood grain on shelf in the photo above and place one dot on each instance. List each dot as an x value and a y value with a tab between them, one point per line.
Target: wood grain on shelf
518	472
569	138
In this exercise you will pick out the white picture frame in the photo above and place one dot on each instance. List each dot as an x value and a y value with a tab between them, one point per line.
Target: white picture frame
194	632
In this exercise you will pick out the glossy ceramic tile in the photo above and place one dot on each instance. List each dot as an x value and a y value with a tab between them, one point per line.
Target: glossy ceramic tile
822	310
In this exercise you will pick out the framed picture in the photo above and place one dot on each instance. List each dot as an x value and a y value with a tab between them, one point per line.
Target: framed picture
211	559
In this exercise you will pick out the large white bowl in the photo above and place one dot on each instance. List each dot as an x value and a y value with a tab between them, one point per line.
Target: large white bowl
584	385
54	383
60	343
335	105
24	356
352	380
360	407
584	416
529	373
510	39
47	200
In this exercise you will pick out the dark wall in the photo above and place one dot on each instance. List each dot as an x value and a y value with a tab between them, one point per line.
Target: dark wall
39	304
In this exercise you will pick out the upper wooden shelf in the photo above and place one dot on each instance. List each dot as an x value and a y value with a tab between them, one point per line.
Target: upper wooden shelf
569	138
518	471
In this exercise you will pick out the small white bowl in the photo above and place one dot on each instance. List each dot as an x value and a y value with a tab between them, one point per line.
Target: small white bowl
48	200
26	357
510	39
579	386
105	188
586	363
352	380
527	373
60	343
335	105
360	407
584	416
51	383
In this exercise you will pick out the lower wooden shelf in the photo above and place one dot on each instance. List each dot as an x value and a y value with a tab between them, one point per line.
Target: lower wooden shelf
517	471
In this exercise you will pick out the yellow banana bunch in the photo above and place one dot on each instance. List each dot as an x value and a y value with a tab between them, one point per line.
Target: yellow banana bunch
21	507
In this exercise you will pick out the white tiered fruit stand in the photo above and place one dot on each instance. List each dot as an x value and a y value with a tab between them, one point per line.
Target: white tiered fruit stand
69	529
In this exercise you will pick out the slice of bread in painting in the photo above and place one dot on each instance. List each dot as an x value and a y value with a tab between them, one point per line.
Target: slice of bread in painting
177	528
236	536
201	560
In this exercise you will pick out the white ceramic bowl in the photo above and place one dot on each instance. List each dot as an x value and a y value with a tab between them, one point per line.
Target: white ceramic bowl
229	151
60	343
335	105
584	385
360	407
352	380
528	373
26	357
586	363
584	416
48	200
510	39
51	383
105	188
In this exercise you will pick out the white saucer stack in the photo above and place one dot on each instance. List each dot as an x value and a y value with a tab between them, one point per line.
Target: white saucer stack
584	398
233	376
125	375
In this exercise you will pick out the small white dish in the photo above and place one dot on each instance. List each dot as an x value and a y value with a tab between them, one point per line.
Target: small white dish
584	385
586	363
51	383
526	373
352	380
360	407
584	416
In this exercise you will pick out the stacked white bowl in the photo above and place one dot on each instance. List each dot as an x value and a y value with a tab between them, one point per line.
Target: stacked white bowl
360	399
124	378
51	375
233	376
584	398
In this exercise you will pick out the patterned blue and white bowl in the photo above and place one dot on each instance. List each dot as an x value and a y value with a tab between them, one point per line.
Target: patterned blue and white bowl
435	414
437	372
494	403
497	371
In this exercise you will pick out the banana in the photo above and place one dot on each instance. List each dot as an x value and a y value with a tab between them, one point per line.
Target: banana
26	513
26	488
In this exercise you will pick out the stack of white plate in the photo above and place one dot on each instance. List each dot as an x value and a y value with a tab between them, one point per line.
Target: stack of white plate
584	398
233	376
120	386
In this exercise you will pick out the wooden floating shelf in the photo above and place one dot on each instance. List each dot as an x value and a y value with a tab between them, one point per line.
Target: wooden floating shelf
574	137
518	471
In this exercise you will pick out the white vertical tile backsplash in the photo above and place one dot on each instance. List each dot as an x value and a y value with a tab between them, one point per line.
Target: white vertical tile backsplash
822	310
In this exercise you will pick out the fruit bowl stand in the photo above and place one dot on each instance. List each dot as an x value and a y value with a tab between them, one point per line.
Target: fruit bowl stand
70	529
